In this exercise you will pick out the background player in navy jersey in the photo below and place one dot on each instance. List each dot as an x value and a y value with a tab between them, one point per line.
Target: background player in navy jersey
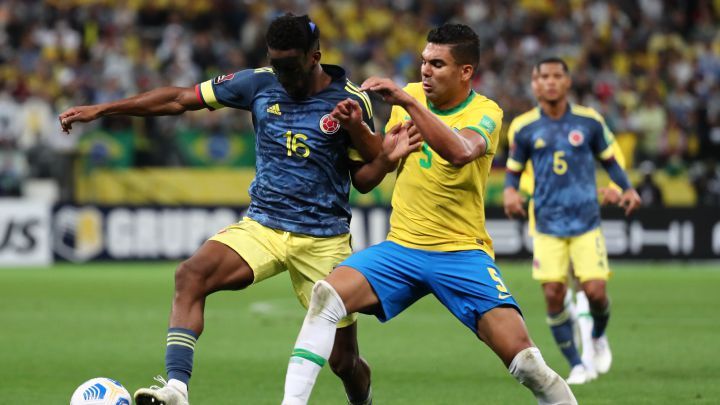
578	308
299	216
562	139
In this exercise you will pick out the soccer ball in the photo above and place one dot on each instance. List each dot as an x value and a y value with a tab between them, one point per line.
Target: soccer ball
100	391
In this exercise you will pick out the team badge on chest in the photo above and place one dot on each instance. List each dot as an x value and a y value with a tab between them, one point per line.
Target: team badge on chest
576	137
328	124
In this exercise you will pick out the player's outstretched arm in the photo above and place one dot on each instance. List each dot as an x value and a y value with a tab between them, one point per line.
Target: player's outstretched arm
458	148
349	114
400	141
160	101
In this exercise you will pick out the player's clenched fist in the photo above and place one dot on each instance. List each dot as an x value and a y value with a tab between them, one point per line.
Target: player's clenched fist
347	112
83	113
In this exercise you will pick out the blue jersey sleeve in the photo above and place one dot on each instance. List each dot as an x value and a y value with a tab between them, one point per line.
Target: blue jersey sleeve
602	146
363	100
519	151
601	140
234	90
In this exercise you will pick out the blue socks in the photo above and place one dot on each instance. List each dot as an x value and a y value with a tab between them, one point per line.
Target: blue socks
561	326
179	353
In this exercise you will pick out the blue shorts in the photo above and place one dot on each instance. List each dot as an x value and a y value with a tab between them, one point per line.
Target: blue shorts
467	282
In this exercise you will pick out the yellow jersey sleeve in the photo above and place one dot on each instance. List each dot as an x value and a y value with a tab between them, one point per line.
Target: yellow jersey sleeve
488	127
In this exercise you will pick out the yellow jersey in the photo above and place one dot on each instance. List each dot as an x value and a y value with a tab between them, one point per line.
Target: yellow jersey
436	205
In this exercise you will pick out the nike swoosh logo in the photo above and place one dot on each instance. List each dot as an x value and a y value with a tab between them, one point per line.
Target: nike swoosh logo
503	296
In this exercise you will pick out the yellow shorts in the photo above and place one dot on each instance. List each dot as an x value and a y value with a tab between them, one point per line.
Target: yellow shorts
552	257
269	252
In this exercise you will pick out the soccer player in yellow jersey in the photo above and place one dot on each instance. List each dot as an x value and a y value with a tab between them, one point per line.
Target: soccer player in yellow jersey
562	140
437	243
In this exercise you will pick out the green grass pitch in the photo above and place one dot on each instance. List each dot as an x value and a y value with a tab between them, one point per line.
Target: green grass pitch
63	325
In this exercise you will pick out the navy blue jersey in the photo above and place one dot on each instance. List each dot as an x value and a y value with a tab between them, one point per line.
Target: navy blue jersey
302	180
562	153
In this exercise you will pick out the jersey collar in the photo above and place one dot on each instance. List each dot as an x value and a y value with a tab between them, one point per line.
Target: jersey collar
335	72
455	109
567	112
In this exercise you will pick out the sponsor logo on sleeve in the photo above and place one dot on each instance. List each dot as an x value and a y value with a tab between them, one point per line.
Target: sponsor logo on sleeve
487	124
224	78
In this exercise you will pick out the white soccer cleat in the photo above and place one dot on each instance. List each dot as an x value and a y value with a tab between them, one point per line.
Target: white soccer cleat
581	374
165	395
603	356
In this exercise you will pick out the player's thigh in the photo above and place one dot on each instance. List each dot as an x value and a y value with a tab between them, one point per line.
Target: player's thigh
311	259
468	283
354	289
589	256
260	247
213	267
387	277
551	258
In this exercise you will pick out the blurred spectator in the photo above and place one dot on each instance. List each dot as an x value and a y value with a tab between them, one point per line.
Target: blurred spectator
648	190
707	183
13	171
649	120
651	67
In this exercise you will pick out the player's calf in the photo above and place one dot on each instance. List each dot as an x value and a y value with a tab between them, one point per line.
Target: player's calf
529	368
354	372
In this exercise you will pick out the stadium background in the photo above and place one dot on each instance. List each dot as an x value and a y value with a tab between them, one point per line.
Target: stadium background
153	189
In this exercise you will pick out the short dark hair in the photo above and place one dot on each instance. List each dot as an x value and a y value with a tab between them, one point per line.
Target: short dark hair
293	32
553	59
465	44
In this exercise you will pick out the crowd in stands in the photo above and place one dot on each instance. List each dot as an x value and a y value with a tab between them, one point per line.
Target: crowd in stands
650	67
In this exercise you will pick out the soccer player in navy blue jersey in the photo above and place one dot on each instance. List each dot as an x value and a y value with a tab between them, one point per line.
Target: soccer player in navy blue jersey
562	140
310	146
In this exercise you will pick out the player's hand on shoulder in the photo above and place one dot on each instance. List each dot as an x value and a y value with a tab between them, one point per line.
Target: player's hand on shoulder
387	89
609	195
83	113
630	201
347	112
513	203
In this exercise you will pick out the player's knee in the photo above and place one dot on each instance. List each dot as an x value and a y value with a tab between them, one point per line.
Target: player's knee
187	276
596	294
555	296
326	303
